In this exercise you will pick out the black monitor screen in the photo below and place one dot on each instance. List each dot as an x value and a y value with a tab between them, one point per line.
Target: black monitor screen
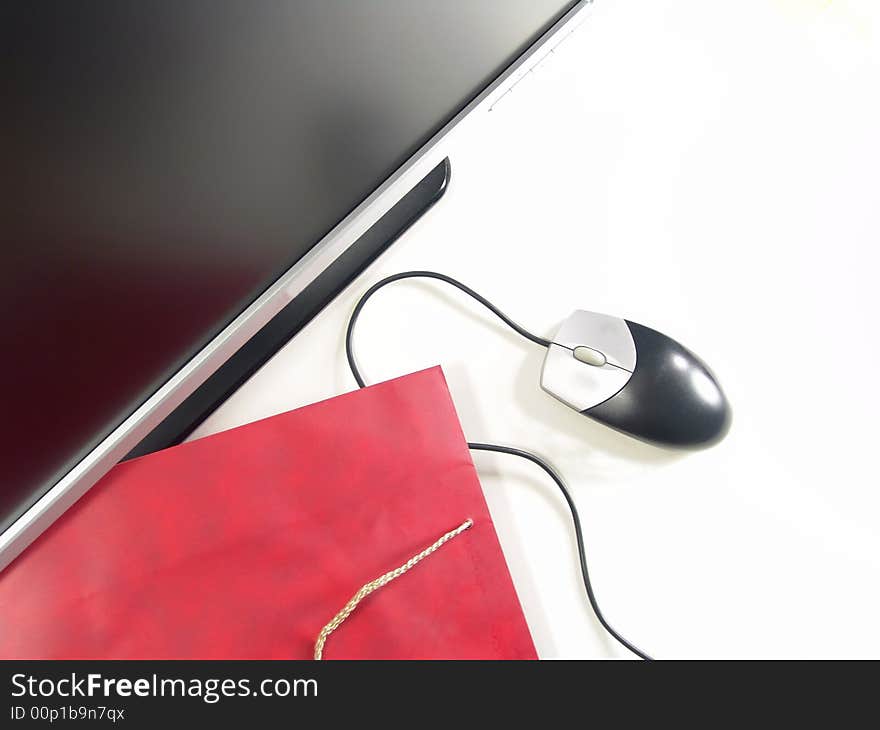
165	162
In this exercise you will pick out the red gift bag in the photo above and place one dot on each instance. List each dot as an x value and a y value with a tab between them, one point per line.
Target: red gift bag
246	543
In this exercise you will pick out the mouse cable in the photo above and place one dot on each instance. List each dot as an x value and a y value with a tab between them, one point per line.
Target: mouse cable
475	446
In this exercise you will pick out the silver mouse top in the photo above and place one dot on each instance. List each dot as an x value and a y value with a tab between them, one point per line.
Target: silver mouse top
591	358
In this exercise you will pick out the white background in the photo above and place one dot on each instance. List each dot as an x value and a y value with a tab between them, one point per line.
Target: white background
709	169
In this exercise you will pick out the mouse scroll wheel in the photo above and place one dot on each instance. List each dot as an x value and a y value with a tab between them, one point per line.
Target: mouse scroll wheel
590	356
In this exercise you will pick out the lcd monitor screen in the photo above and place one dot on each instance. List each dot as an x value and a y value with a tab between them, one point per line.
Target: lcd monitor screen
165	162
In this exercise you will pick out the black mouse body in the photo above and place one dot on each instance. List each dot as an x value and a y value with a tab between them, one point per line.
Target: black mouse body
635	380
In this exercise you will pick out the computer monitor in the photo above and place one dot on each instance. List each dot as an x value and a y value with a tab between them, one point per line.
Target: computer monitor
177	173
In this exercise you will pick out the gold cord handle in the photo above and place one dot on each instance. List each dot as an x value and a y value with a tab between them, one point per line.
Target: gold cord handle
383	580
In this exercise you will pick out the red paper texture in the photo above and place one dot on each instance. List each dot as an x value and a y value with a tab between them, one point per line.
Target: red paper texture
246	543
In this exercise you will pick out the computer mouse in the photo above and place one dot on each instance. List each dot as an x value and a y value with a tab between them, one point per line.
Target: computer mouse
636	380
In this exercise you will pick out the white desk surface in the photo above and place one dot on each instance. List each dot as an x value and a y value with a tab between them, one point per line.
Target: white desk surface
711	170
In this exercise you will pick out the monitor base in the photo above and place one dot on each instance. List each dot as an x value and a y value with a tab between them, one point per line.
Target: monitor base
296	315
